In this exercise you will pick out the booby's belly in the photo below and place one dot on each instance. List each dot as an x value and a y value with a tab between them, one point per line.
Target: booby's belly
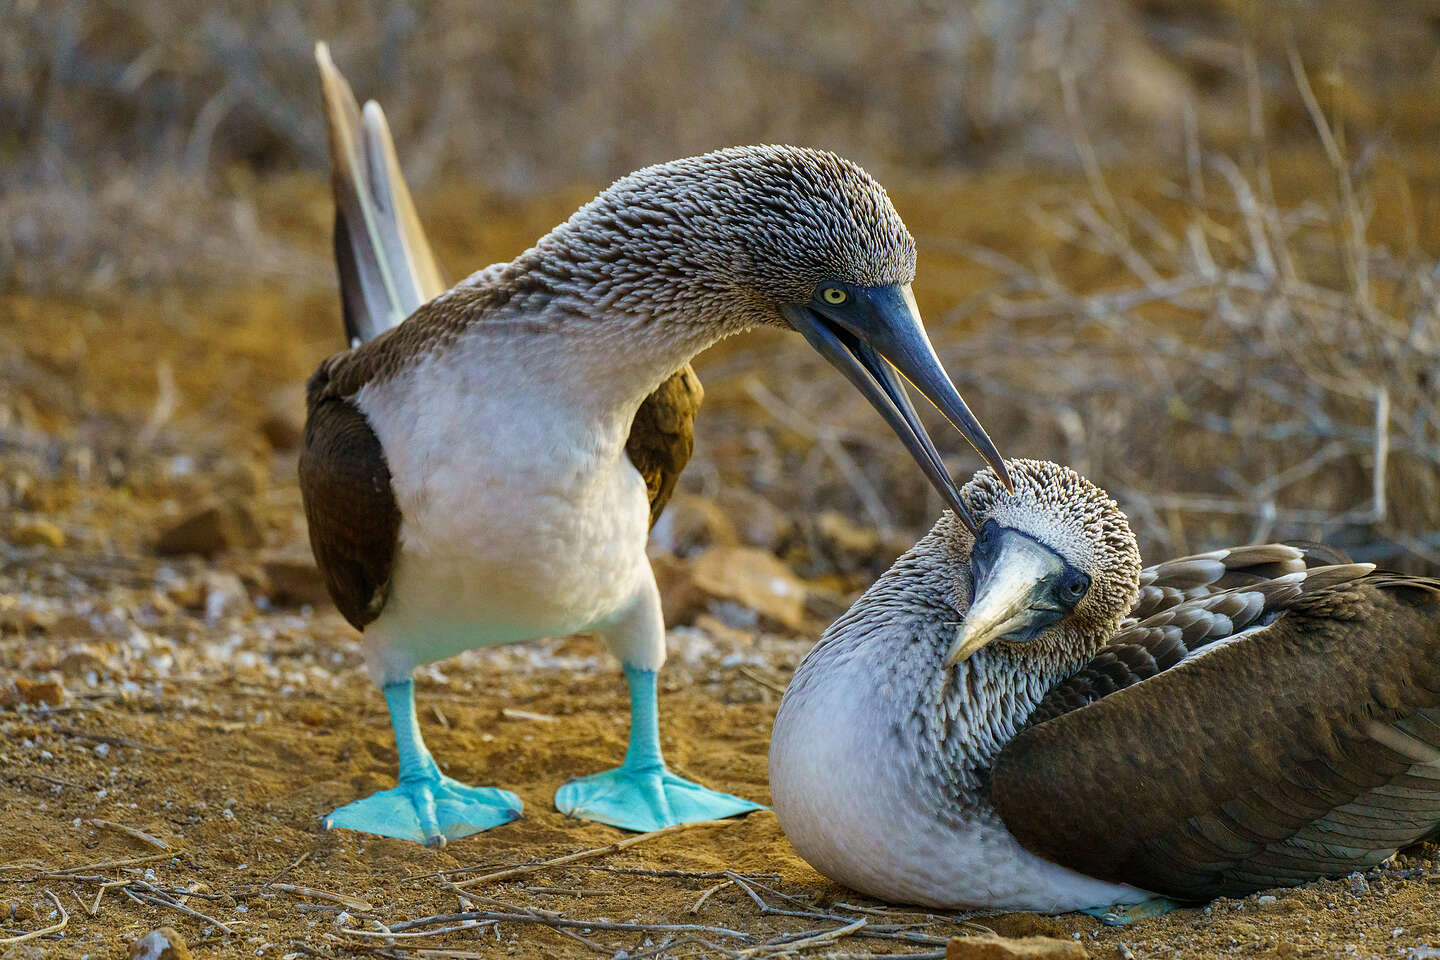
858	802
518	520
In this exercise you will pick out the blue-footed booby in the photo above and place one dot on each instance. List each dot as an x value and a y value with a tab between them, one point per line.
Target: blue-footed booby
1022	718
483	464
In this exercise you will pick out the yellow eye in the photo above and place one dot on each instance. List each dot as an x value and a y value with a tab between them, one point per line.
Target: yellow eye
834	295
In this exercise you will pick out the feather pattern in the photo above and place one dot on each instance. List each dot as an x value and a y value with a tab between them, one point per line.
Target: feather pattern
387	273
1214	724
1307	747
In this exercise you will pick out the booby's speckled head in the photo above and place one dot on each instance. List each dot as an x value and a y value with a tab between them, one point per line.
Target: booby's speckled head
1055	551
775	235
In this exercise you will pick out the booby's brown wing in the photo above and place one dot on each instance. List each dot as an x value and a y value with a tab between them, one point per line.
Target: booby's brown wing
349	505
1190	578
1190	602
663	435
1307	746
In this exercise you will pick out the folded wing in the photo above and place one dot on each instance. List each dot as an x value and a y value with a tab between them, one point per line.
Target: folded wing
1259	736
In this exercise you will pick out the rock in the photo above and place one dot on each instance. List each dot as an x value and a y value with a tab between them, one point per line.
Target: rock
35	692
758	522
22	620
26	951
847	536
188	593
210	530
742	576
225	595
691	523
36	532
1359	886
312	715
293	580
284	426
77	663
163	943
1004	948
282	432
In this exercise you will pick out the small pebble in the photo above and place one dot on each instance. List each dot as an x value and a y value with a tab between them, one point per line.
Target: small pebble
1359	886
161	944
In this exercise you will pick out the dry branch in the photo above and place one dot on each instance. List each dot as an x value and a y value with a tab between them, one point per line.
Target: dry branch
615	847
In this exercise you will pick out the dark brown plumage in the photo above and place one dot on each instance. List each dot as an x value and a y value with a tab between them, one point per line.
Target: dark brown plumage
1185	604
343	476
1310	747
663	436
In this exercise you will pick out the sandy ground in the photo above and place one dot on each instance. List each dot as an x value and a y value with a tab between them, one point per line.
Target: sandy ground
210	707
228	742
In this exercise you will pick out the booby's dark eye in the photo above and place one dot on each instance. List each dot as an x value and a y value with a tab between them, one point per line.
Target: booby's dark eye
1074	586
834	295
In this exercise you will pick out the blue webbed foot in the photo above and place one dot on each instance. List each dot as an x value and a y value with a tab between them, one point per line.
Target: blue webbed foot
644	799
1120	914
428	810
641	794
425	806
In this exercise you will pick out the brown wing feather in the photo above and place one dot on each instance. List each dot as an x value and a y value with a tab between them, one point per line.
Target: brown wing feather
349	506
663	435
1144	648
1306	748
1189	578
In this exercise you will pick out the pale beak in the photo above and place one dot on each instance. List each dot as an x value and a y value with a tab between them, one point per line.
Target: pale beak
1015	593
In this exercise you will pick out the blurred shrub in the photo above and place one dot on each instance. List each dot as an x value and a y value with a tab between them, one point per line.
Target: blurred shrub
528	95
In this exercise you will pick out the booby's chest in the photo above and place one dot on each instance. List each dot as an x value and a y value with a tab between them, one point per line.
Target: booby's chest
869	792
517	503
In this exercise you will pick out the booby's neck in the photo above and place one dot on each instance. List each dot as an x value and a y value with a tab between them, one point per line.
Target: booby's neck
600	326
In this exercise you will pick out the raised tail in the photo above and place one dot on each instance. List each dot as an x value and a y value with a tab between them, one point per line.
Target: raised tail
386	267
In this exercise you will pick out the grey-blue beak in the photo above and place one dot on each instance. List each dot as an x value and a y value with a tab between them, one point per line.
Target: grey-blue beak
1021	589
874	336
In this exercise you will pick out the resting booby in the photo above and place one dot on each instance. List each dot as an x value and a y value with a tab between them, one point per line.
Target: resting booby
486	471
1024	719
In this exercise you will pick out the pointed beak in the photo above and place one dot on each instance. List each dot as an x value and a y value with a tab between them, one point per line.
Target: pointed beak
1014	594
875	337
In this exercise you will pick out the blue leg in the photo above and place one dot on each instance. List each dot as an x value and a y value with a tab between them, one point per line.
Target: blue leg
1120	914
641	794
425	806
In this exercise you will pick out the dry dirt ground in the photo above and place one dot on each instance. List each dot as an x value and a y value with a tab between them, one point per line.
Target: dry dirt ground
209	707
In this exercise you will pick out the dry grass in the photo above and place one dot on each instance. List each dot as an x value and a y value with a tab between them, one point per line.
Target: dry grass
1239	341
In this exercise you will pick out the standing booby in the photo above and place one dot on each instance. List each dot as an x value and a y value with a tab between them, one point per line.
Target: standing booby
486	471
1024	719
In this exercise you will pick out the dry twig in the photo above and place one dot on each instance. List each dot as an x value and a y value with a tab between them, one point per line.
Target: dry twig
35	934
615	847
140	835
